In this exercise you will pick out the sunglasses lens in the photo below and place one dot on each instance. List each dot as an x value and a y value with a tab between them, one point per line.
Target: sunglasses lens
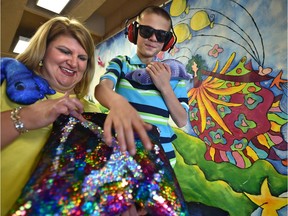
161	35
147	32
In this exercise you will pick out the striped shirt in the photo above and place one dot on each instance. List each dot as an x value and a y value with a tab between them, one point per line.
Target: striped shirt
146	99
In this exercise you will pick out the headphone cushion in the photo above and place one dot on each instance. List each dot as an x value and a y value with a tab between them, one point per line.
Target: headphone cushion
132	33
169	43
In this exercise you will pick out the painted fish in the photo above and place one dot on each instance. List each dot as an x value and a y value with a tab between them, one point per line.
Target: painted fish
182	32
23	85
178	7
201	20
178	72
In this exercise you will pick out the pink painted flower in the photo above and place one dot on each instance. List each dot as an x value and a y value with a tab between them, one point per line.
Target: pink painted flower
215	51
174	51
160	55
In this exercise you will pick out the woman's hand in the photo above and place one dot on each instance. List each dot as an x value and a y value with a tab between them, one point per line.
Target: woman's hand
38	115
46	112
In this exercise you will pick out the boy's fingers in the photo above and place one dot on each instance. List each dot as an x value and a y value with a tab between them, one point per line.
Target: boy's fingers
107	132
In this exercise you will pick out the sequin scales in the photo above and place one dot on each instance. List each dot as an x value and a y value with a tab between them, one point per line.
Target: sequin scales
78	174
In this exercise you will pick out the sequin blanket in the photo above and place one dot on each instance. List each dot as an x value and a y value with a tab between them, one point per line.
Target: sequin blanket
78	174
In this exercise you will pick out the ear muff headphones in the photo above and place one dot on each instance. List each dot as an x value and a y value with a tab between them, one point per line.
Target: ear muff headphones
131	32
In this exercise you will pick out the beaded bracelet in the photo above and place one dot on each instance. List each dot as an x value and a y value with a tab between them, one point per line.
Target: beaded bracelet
19	125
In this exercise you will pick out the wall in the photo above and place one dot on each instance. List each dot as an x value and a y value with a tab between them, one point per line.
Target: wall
232	155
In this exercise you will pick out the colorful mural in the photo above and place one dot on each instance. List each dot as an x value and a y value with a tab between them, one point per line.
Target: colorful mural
232	154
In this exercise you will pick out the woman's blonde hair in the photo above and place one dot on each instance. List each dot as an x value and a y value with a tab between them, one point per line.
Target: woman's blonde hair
48	32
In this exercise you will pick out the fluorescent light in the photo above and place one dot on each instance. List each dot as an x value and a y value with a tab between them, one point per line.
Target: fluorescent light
53	5
21	45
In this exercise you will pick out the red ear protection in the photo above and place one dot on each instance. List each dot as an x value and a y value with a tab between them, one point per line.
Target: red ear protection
169	43
132	33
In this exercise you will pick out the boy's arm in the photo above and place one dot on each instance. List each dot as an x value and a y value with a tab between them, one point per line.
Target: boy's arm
176	110
122	117
160	74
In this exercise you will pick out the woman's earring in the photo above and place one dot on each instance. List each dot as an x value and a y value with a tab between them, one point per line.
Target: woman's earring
41	63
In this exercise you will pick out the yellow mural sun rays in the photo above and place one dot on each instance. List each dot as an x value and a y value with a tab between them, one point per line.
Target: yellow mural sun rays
204	99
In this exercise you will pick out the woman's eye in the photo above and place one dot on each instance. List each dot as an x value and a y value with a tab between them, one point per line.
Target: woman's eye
64	51
83	58
68	52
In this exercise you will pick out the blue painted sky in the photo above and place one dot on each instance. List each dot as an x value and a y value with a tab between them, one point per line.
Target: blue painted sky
248	24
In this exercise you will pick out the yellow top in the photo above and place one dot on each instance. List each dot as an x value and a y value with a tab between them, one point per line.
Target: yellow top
20	157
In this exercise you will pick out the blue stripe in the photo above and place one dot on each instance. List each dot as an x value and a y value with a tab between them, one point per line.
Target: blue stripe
168	139
167	147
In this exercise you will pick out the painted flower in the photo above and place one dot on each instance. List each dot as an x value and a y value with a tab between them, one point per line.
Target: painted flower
215	51
174	51
160	55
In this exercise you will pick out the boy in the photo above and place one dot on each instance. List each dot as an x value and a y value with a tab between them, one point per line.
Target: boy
132	105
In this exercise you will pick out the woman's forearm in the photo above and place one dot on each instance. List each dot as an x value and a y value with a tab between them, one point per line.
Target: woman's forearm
8	130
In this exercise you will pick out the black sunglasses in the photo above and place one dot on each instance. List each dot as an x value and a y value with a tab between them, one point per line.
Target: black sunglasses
147	32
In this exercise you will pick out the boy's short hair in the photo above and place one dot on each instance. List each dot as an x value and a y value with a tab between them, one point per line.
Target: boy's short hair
156	10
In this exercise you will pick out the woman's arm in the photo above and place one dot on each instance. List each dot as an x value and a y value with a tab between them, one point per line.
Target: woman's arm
39	115
8	130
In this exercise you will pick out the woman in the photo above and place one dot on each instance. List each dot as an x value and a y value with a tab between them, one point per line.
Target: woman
61	52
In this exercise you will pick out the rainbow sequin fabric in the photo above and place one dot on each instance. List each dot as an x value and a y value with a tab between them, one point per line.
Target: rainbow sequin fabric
78	174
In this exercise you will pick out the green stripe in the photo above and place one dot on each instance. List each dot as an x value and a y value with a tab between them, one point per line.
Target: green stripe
154	119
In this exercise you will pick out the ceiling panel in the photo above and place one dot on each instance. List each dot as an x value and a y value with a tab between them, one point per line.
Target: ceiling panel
103	18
